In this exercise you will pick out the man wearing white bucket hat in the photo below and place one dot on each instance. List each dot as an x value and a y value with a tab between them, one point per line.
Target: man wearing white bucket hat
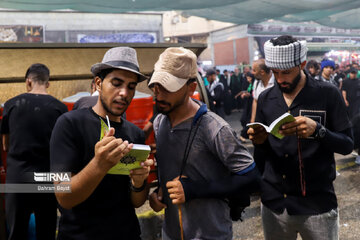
199	146
101	205
298	170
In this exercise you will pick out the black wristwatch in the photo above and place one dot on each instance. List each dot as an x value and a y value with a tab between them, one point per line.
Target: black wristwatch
320	131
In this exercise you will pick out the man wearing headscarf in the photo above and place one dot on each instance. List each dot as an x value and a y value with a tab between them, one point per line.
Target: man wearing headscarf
298	170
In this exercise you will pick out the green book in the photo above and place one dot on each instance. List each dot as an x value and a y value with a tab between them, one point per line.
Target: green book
275	125
132	160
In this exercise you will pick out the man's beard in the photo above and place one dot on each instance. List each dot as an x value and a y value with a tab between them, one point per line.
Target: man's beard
172	108
290	86
107	108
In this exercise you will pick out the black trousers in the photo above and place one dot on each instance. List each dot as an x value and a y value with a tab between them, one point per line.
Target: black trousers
18	208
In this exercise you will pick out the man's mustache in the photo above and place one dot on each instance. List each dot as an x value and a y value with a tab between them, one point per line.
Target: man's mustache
121	100
162	102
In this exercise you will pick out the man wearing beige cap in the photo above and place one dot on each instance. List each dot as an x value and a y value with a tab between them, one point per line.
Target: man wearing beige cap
101	205
199	146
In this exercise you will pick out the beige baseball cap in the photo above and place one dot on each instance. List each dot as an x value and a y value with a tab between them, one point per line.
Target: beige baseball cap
176	65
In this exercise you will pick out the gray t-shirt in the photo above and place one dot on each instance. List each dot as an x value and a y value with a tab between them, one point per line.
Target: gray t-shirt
215	153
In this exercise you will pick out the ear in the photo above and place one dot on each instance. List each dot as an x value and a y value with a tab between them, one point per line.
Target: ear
302	65
191	88
47	85
98	82
28	83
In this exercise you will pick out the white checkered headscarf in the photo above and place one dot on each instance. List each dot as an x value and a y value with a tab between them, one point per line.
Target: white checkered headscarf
286	56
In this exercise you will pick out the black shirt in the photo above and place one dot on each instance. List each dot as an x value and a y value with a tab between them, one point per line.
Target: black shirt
278	159
29	119
108	213
235	84
352	89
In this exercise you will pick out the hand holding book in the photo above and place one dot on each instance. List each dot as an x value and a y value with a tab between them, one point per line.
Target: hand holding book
303	127
285	125
129	157
132	160
275	126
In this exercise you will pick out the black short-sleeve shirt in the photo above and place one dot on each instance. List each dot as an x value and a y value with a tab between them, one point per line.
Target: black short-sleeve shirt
29	119
278	159
108	213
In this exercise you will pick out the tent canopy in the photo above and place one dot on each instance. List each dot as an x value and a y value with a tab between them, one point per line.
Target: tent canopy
333	13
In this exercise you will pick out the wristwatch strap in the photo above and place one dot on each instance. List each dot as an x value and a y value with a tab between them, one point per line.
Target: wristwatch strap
140	189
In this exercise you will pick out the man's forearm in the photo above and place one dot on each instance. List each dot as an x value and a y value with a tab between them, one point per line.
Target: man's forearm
226	187
139	198
253	111
339	142
82	185
344	95
5	142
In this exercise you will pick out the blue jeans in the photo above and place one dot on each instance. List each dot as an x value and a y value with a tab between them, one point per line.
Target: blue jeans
283	226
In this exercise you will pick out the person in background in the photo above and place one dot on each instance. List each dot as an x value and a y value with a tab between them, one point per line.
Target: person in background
235	87
351	94
88	101
264	79
339	76
312	67
218	74
26	127
225	80
248	102
356	66
353	65
327	72
216	93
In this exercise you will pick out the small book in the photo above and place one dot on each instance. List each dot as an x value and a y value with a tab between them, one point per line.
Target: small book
275	125
132	160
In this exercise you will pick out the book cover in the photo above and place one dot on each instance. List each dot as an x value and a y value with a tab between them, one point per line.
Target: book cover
132	160
275	125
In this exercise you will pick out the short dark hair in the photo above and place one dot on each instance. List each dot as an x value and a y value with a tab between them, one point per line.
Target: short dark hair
217	70
210	72
249	74
103	73
191	80
262	66
38	72
283	40
225	71
312	64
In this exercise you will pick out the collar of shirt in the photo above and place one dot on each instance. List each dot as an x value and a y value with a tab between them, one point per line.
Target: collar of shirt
299	99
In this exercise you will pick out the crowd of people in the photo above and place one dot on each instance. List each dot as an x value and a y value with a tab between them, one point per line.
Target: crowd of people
205	173
240	90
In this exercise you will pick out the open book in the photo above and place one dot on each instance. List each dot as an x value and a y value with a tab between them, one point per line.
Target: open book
275	125
132	160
